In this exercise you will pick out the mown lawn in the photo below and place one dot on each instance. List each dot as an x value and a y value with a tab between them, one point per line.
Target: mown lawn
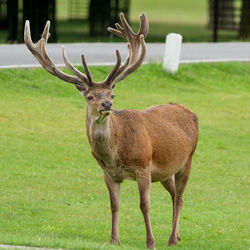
52	192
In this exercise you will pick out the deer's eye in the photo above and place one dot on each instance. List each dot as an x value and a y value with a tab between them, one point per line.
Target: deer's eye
90	97
113	96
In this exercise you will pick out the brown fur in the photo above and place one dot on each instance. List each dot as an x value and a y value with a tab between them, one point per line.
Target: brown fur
155	144
165	135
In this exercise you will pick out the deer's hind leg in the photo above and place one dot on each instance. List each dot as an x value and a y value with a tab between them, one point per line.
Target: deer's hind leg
169	185
181	179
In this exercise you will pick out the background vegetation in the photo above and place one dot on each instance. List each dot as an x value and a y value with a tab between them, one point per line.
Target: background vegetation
189	18
52	191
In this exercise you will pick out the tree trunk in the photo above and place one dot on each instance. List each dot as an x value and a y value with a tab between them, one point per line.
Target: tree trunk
12	17
245	19
104	13
99	17
39	12
226	14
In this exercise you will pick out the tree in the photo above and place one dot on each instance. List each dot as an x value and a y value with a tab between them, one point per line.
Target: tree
245	19
12	20
38	12
103	13
99	17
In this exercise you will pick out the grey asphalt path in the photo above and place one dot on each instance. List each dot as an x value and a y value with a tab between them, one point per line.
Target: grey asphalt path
24	247
12	56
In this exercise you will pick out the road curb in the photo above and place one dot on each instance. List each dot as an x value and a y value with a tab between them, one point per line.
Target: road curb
26	66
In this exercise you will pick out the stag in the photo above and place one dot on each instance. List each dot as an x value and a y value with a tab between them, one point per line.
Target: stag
155	144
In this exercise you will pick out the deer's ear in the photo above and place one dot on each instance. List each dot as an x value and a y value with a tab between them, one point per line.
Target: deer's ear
82	89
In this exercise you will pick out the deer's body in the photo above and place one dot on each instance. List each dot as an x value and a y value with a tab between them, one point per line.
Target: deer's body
160	138
155	144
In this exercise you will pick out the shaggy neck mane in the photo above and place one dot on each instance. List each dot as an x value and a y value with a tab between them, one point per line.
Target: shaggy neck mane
99	133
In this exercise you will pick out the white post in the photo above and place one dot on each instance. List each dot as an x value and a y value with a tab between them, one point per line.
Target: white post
172	52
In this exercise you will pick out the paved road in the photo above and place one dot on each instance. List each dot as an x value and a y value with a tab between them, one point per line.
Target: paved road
25	247
104	53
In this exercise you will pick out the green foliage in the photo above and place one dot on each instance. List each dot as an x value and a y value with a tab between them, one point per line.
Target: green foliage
52	193
77	31
188	18
171	11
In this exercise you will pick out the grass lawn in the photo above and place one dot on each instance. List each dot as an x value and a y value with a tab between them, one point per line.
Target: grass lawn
52	193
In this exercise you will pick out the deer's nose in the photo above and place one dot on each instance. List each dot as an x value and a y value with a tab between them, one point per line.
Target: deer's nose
107	105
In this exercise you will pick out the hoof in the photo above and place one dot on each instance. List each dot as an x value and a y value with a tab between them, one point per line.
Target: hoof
114	242
174	240
151	244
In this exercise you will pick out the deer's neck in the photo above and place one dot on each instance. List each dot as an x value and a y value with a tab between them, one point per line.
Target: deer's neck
100	134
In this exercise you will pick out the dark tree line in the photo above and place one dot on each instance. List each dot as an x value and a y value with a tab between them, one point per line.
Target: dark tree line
38	12
223	16
104	13
245	19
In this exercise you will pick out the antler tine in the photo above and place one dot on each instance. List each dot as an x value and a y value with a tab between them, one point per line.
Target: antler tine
134	60
71	67
143	25
119	32
40	53
129	51
123	32
114	70
55	71
116	32
119	27
125	24
86	69
125	64
27	36
46	33
125	72
30	45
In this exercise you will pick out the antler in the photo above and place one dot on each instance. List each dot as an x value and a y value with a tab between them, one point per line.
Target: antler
39	51
134	60
82	81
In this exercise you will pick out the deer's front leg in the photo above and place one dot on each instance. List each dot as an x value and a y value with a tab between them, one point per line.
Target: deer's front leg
114	195
144	182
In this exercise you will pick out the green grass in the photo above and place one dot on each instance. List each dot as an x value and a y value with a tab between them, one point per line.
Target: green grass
52	193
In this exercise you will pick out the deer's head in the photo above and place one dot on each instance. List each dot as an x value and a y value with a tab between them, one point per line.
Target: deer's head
99	95
99	99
